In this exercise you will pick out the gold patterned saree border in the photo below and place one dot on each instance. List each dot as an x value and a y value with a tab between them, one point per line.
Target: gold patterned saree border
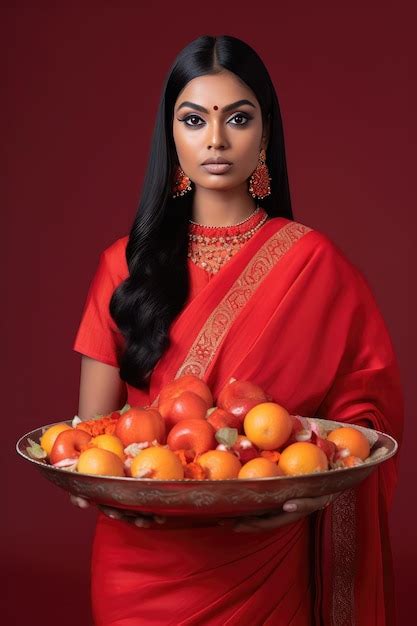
344	558
219	322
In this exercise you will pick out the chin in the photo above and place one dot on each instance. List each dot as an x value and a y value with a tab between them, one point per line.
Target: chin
221	186
219	181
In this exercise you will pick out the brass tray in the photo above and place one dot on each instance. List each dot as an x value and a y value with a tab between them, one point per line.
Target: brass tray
212	498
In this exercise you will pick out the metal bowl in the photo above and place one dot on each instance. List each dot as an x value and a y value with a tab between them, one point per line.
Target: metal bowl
211	498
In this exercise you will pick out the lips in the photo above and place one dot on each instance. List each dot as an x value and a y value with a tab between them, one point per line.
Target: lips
217	168
217	160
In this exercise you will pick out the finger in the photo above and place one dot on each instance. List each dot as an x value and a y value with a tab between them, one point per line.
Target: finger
159	519
267	523
293	511
82	503
307	505
112	513
141	522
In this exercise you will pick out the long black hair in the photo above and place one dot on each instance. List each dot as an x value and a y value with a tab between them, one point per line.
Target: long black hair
145	304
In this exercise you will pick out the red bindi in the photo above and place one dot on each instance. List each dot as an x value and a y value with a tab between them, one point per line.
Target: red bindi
215	107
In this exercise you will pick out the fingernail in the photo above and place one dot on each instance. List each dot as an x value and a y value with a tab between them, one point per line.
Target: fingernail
114	515
159	519
83	504
289	507
141	523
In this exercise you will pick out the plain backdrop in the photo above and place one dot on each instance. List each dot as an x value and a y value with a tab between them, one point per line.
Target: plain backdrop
82	85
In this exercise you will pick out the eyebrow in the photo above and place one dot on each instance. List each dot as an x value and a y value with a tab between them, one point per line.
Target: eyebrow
228	107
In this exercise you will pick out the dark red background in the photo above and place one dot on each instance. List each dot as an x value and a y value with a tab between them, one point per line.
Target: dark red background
82	87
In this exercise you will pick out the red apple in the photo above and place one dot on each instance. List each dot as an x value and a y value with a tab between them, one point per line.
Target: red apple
192	434
69	444
188	405
139	424
176	387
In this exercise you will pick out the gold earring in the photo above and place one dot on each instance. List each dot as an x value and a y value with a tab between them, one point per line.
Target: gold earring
181	183
259	181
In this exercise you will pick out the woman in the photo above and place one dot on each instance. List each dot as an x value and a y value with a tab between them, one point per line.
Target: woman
217	279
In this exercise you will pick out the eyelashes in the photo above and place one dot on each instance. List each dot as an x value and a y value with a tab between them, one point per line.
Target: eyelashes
246	116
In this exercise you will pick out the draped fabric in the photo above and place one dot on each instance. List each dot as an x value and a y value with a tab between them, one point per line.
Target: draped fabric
291	313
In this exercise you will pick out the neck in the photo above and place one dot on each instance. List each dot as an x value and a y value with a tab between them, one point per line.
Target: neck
222	208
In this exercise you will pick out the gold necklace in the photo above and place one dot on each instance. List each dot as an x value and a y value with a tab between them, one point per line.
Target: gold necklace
230	225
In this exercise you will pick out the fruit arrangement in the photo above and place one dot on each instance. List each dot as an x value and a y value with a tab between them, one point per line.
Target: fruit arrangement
186	436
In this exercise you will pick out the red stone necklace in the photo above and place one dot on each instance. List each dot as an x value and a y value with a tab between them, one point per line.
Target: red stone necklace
211	247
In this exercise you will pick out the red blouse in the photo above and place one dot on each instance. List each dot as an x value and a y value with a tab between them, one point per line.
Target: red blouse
98	336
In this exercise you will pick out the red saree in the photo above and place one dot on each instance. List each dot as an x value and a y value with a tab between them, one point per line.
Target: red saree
291	313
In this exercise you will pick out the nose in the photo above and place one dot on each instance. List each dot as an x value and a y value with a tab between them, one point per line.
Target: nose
217	138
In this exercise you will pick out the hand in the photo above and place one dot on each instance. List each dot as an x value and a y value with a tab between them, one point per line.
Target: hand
143	521
304	506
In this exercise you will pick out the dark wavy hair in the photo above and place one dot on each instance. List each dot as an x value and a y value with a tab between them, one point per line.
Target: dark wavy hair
145	304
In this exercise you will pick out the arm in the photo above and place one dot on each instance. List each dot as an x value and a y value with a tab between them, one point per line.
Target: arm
101	389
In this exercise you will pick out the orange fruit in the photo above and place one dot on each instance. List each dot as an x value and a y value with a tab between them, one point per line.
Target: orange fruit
268	425
302	457
109	442
48	438
352	439
219	464
157	462
260	468
101	462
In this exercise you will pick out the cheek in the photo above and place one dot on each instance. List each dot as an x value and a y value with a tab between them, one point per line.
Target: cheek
247	144
185	142
249	148
251	135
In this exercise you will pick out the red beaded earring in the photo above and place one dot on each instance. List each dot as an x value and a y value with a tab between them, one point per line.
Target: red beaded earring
259	181
181	183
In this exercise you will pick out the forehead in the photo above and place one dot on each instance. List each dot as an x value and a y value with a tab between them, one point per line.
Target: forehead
216	89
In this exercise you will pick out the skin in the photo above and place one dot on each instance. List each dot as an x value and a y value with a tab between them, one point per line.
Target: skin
220	200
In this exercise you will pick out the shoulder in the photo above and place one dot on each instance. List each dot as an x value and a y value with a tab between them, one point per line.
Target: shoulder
114	257
335	264
318	242
319	249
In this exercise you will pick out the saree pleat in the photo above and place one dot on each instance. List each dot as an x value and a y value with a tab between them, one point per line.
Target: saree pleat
291	313
240	583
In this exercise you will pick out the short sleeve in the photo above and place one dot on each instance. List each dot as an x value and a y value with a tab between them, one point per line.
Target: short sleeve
98	335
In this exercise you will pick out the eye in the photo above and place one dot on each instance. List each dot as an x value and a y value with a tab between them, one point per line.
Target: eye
190	119
244	116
